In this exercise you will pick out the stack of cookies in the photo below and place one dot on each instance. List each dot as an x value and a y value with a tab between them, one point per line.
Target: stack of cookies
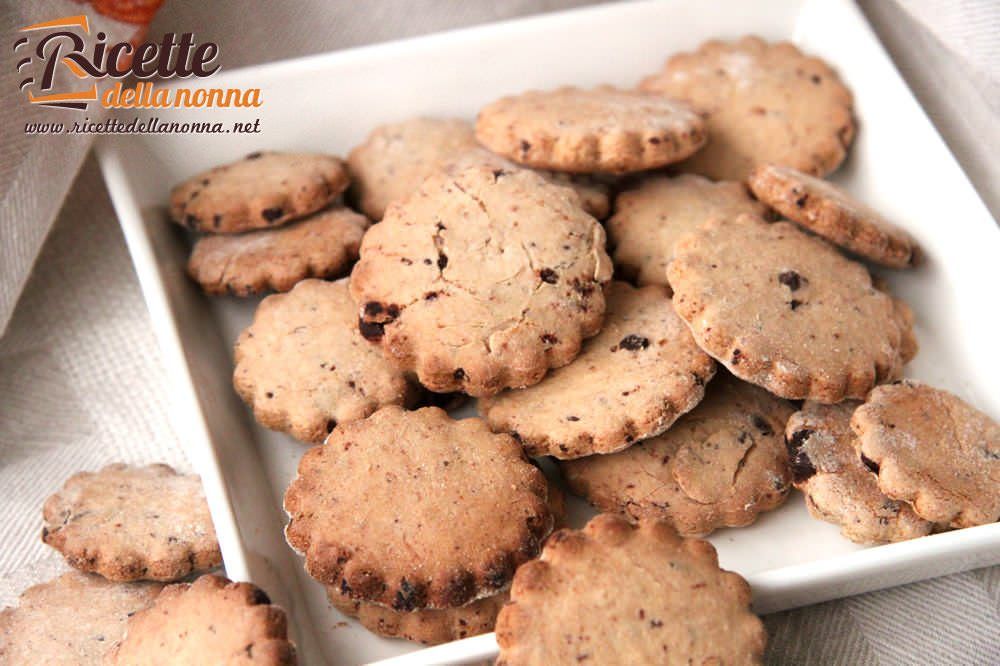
128	531
727	344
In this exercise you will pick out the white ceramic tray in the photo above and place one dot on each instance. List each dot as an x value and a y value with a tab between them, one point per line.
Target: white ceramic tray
329	103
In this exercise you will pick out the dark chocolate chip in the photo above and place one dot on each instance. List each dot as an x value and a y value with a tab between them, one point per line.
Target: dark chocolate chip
737	356
573	418
794	303
761	424
431	296
634	342
370	330
548	275
459	375
790	279
549	339
801	201
442	260
408	597
870	464
373	309
525	146
802	466
272	214
260	597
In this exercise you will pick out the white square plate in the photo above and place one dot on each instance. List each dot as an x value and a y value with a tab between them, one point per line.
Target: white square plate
329	103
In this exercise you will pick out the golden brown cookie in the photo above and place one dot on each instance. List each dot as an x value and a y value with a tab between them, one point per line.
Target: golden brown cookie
430	626
615	593
602	129
930	448
321	246
720	465
72	620
303	367
630	381
262	190
397	157
416	510
832	213
837	485
482	280
132	523
210	621
762	102
786	311
650	217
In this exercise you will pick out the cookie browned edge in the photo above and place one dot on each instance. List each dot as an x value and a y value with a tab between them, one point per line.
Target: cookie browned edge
830	220
91	559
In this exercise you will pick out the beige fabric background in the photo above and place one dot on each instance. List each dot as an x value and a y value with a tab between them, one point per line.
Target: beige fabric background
82	382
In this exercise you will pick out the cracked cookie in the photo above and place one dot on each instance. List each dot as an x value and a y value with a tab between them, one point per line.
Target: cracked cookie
132	523
829	211
303	367
482	280
210	621
762	102
72	620
321	246
786	311
720	465
262	190
594	193
839	488
603	129
650	217
930	448
616	593
447	510
630	381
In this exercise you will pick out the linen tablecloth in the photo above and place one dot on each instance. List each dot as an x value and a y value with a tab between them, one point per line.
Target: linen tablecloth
82	382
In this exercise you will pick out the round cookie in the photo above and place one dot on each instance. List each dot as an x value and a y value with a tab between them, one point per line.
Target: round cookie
837	486
482	280
396	158
595	130
262	190
416	510
720	465
322	246
614	593
132	523
72	620
832	213
430	626
650	217
303	366
931	449
786	311
210	621
630	381
762	103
